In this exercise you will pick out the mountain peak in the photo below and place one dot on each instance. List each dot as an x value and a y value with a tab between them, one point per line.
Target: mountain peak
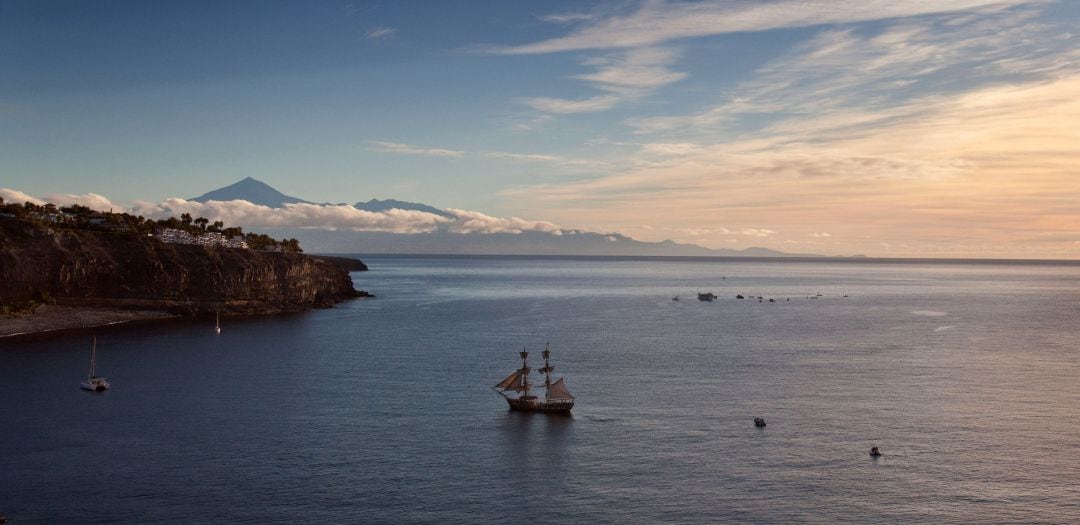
251	190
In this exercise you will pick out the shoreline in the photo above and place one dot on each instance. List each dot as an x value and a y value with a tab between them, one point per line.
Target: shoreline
54	318
60	318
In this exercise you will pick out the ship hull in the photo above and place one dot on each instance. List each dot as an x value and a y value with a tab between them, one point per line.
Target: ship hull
535	405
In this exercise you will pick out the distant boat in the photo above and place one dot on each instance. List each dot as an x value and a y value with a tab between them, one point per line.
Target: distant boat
676	298
217	323
557	399
709	296
93	382
875	453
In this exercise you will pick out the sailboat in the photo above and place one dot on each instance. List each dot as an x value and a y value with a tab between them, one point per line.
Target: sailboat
93	382
217	323
557	399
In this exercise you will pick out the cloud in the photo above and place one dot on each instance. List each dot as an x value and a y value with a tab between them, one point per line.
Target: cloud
974	173
623	77
343	217
664	149
406	149
565	106
563	18
11	196
90	200
642	66
757	232
303	215
657	22
634	72
380	33
944	135
843	79
329	217
524	157
476	222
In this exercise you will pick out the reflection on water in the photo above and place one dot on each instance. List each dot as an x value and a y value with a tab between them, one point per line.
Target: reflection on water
381	411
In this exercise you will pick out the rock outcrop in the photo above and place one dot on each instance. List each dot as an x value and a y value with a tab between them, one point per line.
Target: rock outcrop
98	268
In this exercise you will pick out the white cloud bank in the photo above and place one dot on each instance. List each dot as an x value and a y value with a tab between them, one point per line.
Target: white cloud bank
90	200
308	216
476	222
316	216
15	196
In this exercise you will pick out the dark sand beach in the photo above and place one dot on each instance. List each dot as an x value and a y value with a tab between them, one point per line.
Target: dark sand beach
48	318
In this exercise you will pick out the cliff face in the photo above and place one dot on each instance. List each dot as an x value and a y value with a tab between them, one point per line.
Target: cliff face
83	267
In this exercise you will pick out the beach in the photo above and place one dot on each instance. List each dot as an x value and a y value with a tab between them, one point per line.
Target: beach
52	317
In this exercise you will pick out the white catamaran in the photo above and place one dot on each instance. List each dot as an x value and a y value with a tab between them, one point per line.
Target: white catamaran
93	382
557	399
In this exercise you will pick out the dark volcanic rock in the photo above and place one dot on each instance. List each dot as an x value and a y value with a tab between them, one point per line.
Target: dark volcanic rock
346	263
80	267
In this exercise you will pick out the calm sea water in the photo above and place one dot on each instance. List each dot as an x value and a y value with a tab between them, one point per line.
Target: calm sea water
380	411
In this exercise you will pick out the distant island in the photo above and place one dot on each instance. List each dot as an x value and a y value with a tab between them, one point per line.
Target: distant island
67	267
562	242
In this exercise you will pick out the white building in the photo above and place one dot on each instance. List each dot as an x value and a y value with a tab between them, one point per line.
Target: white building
174	236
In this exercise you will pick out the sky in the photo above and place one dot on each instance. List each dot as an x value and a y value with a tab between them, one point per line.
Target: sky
893	128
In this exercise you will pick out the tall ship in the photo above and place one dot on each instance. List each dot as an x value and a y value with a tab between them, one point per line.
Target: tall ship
517	390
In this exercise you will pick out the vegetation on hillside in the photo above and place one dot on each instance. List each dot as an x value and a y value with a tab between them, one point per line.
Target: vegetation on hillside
78	217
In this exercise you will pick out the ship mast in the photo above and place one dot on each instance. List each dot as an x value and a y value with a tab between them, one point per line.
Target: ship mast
548	369
93	358
524	373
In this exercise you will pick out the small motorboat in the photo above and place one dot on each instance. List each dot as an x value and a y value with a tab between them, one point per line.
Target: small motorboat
676	298
739	296
759	422
875	453
708	296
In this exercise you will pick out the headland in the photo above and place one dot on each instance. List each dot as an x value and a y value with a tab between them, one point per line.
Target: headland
57	273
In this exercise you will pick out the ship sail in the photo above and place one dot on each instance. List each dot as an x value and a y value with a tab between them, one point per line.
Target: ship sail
558	392
513	382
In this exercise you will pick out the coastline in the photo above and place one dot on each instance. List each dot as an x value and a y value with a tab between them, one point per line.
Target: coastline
55	318
57	279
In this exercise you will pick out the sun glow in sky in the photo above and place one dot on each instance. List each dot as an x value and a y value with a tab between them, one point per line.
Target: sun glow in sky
888	128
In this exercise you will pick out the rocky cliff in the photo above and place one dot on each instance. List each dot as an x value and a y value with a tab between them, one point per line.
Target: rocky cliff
95	268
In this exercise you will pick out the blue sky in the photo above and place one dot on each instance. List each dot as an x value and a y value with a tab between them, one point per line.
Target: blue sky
905	127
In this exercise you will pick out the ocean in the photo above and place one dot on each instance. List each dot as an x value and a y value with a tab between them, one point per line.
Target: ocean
964	374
